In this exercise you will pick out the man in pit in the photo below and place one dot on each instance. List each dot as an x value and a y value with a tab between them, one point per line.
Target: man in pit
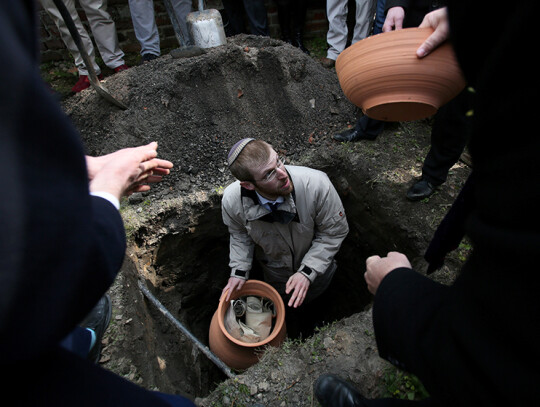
289	218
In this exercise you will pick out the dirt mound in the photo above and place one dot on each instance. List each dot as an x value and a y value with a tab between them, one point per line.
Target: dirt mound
198	107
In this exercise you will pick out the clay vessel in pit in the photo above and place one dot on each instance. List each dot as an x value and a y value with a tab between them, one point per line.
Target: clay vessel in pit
237	354
383	76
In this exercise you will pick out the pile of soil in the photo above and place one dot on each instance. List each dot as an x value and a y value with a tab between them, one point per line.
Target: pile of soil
196	108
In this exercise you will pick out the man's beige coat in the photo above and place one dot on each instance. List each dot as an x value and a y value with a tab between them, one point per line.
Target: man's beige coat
312	239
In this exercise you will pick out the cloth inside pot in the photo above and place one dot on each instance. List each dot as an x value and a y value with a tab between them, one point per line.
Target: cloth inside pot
249	319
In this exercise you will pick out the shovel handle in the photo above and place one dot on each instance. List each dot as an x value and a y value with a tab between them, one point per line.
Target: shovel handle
76	38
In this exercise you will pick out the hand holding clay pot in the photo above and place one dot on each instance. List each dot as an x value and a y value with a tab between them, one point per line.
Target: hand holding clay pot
383	76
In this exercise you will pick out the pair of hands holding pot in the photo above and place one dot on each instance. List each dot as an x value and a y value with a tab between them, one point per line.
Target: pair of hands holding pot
298	285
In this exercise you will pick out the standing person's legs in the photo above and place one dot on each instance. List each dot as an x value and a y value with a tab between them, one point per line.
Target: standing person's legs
235	20
182	8
336	37
365	11
53	12
104	31
257	16
144	25
285	18
449	136
299	11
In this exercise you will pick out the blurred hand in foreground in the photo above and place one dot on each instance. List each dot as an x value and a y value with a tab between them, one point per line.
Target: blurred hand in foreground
127	171
378	267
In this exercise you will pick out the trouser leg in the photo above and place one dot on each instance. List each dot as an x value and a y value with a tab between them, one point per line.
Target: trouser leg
379	17
299	10
365	11
284	18
104	31
257	17
181	9
144	25
449	136
235	21
369	128
336	37
51	9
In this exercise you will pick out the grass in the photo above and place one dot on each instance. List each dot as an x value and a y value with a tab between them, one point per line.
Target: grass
402	385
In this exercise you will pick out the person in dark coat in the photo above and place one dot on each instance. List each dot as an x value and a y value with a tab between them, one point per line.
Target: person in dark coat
63	238
473	343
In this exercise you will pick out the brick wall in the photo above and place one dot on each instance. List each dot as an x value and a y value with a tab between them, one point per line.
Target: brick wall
52	47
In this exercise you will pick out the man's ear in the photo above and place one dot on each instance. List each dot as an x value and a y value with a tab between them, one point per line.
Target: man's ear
247	185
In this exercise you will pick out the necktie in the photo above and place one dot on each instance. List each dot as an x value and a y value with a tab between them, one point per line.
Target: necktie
273	206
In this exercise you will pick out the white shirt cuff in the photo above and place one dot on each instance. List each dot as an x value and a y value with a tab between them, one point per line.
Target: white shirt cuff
109	197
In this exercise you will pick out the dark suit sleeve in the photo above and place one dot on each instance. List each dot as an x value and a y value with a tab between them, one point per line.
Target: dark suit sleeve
405	304
61	248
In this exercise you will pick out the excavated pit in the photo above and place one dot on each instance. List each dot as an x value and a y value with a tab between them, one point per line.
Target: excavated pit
197	108
187	269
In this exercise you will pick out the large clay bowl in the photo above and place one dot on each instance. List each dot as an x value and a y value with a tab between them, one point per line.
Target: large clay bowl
237	354
383	76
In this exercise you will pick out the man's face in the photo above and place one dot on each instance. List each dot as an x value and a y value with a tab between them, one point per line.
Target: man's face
271	178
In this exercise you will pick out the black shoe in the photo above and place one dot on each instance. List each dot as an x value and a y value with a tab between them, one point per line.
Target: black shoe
421	190
353	135
98	321
147	58
332	391
299	43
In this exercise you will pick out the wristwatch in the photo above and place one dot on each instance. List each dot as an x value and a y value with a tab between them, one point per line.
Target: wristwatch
310	274
240	274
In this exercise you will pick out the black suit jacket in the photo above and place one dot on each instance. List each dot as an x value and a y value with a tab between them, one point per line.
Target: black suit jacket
474	342
60	248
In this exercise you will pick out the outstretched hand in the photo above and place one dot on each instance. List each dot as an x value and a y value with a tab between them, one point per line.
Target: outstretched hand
127	171
378	267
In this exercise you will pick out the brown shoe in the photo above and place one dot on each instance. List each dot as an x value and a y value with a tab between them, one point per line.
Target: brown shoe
328	63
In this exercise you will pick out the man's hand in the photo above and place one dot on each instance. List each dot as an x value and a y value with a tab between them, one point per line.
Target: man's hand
234	283
299	285
126	171
394	19
377	268
438	20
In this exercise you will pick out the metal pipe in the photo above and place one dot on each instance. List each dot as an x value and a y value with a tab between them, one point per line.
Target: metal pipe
203	348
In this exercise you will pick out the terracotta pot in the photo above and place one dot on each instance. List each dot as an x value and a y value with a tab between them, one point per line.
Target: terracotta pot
383	76
237	354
